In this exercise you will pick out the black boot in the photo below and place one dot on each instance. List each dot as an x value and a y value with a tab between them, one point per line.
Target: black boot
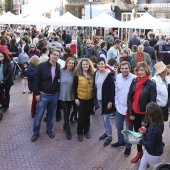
68	134
1	116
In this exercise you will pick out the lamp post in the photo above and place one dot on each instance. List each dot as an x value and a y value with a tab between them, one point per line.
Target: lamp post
90	1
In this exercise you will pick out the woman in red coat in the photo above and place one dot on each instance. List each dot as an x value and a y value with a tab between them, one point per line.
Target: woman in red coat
3	47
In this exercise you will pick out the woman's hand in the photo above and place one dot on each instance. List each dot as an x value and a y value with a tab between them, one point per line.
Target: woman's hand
132	117
109	106
38	98
77	102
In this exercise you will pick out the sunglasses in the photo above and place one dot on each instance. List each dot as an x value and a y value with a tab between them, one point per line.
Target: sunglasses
88	43
88	79
32	47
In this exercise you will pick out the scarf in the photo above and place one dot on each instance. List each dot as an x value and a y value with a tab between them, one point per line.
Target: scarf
138	92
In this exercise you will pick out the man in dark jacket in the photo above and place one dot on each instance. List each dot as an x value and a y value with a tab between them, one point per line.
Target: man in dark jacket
68	39
46	87
40	43
134	41
152	40
150	50
88	50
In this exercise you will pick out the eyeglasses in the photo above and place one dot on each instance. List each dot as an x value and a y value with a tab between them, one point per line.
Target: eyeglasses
88	43
32	47
88	79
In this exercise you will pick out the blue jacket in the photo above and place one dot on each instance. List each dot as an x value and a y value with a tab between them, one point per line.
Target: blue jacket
102	52
31	71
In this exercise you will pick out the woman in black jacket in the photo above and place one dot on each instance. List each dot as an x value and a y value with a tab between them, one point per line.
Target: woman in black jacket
13	48
105	94
142	91
5	79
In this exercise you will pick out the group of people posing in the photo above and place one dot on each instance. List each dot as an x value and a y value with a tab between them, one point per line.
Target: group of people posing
112	80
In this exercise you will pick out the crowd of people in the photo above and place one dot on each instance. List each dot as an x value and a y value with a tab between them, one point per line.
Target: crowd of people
129	80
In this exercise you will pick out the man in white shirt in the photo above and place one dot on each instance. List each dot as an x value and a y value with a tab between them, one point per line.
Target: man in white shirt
122	85
113	52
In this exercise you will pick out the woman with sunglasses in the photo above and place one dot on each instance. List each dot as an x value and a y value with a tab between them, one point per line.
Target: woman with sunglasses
83	86
33	51
5	79
105	94
66	92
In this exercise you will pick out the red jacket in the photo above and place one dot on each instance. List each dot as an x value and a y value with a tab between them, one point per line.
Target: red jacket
4	48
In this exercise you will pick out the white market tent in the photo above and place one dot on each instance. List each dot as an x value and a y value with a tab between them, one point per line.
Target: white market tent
104	20
8	18
146	22
35	19
69	20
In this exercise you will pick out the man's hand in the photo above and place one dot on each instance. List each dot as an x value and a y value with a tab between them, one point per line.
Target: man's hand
109	106
77	102
38	98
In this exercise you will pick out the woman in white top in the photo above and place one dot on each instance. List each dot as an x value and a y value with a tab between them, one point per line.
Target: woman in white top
44	54
163	88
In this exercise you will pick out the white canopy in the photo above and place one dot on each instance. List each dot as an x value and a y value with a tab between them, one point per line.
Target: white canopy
147	22
8	18
104	20
35	20
68	20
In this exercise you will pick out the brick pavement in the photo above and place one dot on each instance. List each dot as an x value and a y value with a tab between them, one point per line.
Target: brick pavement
17	152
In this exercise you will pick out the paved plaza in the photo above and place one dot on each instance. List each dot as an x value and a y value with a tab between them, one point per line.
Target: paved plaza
17	152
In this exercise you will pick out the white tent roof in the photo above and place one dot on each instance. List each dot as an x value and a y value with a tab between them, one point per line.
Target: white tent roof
147	22
69	20
104	20
35	19
8	18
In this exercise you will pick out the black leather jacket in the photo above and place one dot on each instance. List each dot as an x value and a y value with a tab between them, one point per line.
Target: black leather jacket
148	95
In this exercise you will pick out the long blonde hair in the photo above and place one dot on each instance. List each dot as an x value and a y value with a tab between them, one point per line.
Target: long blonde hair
79	70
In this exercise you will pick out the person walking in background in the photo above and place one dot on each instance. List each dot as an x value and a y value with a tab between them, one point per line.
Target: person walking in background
88	50
140	56
109	38
24	76
142	91
134	41
153	138
33	51
66	92
46	88
31	71
105	93
83	86
5	79
96	48
44	54
150	50
114	51
103	51
166	52
68	39
122	85
79	42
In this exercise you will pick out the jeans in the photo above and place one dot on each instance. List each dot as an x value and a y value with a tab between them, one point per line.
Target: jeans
48	102
153	68
106	120
119	125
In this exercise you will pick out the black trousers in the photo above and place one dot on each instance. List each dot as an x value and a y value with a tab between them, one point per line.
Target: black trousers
165	112
137	124
84	109
5	103
66	105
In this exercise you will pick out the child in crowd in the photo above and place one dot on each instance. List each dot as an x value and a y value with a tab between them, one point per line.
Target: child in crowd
24	76
112	66
153	138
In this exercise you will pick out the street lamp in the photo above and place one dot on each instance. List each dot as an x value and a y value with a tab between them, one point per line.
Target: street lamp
90	1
